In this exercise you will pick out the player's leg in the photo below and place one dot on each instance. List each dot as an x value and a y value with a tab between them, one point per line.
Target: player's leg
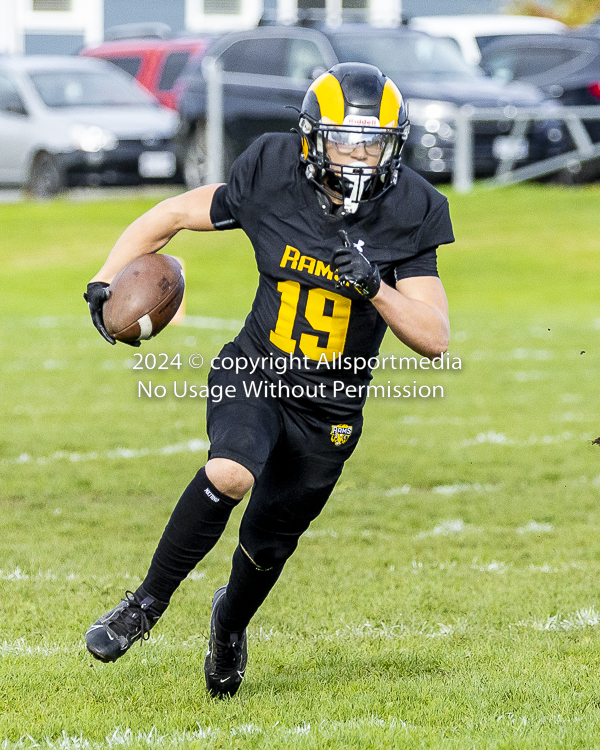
195	526
242	433
289	494
279	512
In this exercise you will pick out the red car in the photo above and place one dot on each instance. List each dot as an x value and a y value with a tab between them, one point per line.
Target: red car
155	63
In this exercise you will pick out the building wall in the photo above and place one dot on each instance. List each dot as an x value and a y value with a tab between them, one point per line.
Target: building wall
23	29
53	44
217	16
451	7
10	38
171	12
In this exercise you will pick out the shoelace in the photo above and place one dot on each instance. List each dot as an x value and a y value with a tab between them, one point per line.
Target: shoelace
134	608
227	655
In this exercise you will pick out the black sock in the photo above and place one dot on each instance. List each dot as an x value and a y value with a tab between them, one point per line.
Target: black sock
247	589
153	606
194	528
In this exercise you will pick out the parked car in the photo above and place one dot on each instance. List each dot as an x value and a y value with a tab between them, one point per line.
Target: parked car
68	121
274	66
472	33
565	67
155	63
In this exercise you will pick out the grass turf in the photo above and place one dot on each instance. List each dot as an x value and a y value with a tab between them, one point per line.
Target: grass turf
445	598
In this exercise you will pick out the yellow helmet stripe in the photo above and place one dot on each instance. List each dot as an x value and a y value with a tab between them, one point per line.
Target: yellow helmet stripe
391	101
329	95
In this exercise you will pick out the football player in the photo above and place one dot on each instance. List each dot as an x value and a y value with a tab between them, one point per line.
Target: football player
345	241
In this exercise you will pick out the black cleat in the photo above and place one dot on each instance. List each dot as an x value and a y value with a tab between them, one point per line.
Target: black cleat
116	631
225	663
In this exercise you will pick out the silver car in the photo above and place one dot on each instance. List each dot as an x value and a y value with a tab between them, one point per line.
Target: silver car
72	121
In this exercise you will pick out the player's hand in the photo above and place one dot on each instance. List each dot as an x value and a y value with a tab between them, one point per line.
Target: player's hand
96	295
353	268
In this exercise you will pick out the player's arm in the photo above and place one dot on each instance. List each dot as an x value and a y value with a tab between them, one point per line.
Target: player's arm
146	235
416	310
417	313
153	230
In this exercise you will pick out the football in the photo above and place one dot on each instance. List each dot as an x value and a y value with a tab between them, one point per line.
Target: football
144	297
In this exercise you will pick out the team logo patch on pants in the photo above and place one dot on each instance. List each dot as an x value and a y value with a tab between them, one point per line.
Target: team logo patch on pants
340	433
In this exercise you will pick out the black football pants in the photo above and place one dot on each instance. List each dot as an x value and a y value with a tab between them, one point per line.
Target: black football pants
296	459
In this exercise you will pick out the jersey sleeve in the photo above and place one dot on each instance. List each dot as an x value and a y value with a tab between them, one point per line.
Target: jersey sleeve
232	203
436	228
423	264
220	216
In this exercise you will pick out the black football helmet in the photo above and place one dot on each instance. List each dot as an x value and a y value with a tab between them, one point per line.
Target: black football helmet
353	123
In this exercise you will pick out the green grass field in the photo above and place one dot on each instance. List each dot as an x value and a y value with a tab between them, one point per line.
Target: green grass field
447	597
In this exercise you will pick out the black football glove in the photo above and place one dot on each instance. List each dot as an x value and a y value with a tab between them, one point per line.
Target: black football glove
96	295
353	268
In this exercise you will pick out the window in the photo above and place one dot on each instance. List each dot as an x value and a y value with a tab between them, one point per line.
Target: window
130	65
425	56
501	65
521	62
263	56
304	57
533	61
174	65
223	7
74	88
485	41
10	99
62	5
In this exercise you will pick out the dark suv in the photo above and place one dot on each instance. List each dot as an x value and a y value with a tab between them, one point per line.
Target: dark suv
565	66
273	66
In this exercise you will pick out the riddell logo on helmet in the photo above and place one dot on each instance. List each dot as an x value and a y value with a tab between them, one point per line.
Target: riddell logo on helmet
364	120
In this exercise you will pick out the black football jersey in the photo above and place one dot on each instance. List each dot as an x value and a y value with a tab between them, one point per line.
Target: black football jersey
298	312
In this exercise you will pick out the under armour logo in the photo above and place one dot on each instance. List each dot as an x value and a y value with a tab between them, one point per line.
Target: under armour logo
359	244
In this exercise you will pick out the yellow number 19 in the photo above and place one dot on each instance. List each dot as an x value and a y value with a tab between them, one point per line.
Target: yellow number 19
336	324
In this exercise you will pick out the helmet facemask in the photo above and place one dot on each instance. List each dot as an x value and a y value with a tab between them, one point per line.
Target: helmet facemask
356	163
352	163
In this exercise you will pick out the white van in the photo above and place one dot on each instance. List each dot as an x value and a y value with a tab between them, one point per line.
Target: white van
472	33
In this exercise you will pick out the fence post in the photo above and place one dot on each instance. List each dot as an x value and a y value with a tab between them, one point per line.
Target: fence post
462	175
214	120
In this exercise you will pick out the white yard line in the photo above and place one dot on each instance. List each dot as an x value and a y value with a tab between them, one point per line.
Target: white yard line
533	527
586	617
323	730
491	437
189	321
447	528
190	446
126	737
20	648
499	438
